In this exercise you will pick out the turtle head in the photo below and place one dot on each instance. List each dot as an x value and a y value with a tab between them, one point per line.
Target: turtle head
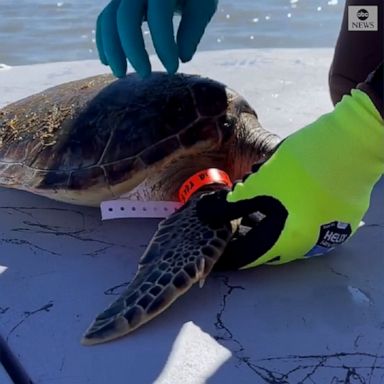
249	142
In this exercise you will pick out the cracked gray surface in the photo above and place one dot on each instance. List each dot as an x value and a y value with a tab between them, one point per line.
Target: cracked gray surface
320	321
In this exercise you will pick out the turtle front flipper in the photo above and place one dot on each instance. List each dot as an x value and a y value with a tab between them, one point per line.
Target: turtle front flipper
181	253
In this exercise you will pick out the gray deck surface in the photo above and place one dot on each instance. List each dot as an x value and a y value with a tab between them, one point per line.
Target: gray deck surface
317	321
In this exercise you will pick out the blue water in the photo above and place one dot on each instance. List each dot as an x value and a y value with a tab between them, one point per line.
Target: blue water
45	30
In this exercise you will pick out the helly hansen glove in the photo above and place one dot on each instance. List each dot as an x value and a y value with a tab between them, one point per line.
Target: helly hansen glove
312	193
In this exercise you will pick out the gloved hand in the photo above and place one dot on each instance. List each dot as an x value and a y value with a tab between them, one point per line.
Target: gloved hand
119	35
312	193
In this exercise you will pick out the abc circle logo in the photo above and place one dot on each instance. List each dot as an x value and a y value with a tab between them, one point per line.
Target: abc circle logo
362	14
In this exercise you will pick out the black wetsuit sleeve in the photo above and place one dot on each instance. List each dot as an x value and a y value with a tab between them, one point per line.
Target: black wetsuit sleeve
374	88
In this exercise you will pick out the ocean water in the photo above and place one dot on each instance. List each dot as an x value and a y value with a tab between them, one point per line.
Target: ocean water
36	31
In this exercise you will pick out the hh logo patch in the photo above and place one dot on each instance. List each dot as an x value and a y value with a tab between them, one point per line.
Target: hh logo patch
331	235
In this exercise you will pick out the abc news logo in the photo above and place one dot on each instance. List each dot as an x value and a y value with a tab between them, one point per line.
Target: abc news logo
362	18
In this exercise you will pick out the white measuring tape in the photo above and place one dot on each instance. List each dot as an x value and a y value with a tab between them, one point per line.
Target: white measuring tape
124	208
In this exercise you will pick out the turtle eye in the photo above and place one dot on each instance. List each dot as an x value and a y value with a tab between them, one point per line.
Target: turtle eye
228	124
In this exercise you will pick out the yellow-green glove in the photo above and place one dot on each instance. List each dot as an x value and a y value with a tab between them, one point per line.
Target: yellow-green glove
311	194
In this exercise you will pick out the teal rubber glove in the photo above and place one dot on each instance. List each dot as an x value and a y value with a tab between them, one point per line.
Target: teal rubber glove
119	35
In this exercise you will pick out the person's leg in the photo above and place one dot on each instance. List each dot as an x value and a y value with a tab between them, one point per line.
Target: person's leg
357	53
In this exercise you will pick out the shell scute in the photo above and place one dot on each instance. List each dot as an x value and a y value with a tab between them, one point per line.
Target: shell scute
211	98
179	110
160	150
86	178
122	170
203	130
140	128
59	179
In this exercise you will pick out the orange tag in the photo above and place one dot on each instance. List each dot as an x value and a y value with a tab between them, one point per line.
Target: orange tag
201	178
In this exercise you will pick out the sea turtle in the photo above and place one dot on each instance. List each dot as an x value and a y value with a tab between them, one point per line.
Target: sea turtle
94	139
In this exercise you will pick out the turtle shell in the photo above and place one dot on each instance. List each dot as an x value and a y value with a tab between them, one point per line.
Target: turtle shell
92	139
